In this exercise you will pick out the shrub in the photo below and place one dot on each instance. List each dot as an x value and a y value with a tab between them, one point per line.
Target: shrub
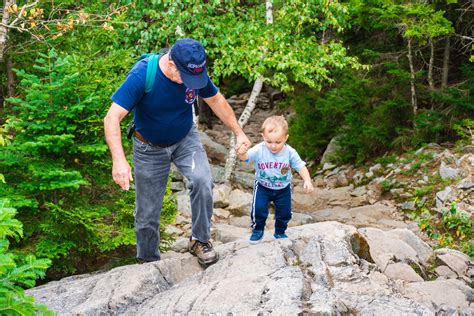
452	228
17	271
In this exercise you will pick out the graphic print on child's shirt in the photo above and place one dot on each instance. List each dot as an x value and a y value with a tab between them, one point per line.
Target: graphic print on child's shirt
273	170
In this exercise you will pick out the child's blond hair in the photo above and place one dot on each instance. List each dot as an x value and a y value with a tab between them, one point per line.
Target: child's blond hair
273	124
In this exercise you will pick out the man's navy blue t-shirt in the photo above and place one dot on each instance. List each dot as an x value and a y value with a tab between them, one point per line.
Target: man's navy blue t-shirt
164	115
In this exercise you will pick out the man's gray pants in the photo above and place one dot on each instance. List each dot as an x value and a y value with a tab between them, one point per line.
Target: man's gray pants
152	166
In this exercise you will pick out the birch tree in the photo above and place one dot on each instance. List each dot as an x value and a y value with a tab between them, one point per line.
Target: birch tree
244	117
419	23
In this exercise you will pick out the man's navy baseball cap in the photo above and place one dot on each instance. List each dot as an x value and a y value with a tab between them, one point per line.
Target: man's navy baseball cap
190	59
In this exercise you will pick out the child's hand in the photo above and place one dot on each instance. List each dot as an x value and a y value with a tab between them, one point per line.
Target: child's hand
308	186
242	150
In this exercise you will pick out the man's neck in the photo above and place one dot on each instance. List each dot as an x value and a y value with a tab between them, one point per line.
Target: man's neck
163	63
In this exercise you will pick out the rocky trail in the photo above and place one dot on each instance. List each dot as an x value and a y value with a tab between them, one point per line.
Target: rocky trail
353	247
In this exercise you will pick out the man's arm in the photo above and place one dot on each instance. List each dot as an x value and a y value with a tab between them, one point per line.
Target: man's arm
121	171
224	112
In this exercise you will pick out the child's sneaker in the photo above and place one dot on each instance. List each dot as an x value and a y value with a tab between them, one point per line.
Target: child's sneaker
256	236
278	236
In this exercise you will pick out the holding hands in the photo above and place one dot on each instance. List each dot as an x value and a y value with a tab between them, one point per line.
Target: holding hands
242	146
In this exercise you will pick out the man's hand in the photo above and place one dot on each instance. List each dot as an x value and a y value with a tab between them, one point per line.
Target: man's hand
224	112
122	174
242	143
242	150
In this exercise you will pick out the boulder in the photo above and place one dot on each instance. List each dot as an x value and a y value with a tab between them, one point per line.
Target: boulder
320	269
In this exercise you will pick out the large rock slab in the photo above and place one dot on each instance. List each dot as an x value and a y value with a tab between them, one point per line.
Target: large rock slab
320	269
377	215
386	248
324	198
443	295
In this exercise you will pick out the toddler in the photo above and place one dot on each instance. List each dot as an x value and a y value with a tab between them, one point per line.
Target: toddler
273	159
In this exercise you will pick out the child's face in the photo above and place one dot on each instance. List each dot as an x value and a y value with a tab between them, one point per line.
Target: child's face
275	141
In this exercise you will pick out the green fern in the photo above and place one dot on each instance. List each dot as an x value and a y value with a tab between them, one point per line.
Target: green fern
17	272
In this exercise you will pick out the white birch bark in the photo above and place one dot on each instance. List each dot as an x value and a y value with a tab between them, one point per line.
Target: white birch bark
444	78
412	81
430	66
4	27
244	117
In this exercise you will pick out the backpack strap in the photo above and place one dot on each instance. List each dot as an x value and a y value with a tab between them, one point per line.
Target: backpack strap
152	67
151	71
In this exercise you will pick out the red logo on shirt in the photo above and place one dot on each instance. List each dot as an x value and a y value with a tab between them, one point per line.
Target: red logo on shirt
190	96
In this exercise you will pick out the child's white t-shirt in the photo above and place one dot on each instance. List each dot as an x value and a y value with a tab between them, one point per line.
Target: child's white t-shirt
273	170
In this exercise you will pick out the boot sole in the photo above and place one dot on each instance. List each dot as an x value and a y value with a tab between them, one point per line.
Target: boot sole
206	264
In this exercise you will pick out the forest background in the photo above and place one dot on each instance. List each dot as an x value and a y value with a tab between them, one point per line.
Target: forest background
381	76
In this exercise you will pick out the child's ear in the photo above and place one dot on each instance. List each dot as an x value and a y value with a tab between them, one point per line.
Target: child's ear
286	137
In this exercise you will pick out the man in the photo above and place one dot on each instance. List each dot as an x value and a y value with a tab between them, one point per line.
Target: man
165	133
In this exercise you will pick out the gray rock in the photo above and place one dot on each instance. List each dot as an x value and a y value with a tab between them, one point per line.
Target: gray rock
239	202
221	194
463	256
180	245
331	150
240	221
215	151
227	233
445	273
409	205
359	191
397	191
376	168
317	270
456	263
183	203
244	179
402	271
406	195
299	219
386	248
182	220
219	212
175	174
442	197
424	252
328	166
466	184
171	229
177	186
390	223
435	294
446	172
358	177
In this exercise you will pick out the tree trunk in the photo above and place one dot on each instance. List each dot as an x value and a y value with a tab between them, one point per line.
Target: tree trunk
269	12
430	66
3	28
412	81
444	78
244	117
10	78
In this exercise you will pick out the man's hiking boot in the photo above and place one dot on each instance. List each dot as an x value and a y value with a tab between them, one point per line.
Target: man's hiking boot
256	236
204	252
